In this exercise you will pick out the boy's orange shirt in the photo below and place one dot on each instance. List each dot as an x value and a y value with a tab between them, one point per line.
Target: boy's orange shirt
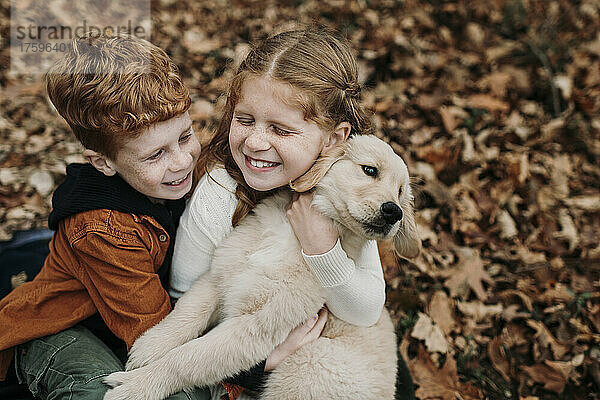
100	261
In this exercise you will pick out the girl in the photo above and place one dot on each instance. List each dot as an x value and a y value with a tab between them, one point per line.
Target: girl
292	99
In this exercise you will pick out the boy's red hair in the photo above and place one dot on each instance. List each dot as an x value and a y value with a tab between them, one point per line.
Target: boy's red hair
109	88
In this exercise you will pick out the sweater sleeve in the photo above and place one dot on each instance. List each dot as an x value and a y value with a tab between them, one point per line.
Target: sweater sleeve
203	225
192	254
355	291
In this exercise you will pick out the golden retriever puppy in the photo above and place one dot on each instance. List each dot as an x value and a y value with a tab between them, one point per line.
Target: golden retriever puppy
259	288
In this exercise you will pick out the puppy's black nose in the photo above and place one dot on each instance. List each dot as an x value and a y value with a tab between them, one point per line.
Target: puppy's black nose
391	212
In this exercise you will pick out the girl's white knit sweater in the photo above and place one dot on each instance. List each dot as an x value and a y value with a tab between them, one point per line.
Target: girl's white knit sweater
355	289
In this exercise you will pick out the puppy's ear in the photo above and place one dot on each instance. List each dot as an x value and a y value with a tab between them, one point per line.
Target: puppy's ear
311	177
407	241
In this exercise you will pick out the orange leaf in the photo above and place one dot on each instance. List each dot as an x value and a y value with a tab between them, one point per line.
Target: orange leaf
435	383
487	102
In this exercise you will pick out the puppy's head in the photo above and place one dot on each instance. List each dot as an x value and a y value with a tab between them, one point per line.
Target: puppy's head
365	186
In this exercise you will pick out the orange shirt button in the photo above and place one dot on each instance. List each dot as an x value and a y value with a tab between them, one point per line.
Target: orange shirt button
162	237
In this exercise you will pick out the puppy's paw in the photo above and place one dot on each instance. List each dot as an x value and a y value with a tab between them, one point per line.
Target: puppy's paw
129	386
115	379
139	356
147	349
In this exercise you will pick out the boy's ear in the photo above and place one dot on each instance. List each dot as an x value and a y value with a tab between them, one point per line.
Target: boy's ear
100	162
339	135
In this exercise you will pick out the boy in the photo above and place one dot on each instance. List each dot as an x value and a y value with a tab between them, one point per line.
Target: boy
103	283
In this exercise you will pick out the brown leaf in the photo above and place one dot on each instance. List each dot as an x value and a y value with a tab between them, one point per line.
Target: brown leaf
10	200
468	274
13	160
594	46
440	311
593	76
511	312
201	109
514	335
448	119
506	224
498	357
546	339
557	293
594	317
504	49
525	300
197	42
589	203
553	378
497	82
487	102
438	154
429	102
568	231
478	311
433	336
435	383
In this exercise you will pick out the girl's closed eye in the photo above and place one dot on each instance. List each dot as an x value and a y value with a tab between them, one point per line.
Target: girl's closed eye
246	121
281	131
186	136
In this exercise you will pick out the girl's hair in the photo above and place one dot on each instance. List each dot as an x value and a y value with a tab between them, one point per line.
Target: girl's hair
323	72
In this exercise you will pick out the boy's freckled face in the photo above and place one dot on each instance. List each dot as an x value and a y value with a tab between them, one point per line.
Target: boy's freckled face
270	140
159	163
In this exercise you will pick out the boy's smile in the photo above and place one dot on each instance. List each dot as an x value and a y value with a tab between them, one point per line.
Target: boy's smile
160	161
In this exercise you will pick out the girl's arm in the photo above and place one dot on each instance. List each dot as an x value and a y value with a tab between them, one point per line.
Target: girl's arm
204	223
355	290
191	256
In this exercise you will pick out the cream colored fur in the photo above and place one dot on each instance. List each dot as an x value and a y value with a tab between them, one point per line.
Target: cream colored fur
259	289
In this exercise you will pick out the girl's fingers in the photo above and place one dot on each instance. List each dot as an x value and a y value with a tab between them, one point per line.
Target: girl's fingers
298	334
309	331
293	199
317	329
312	326
309	324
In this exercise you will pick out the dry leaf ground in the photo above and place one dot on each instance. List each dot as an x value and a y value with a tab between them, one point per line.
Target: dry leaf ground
495	107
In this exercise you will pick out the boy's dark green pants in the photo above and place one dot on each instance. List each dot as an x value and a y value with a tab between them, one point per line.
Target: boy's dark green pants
71	365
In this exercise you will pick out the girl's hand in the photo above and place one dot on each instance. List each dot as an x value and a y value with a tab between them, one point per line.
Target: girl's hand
317	233
303	334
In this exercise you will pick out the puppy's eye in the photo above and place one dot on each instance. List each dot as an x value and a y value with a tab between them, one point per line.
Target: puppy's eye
400	191
370	171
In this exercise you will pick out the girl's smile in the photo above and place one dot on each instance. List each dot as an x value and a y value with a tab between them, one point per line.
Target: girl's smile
260	165
270	140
